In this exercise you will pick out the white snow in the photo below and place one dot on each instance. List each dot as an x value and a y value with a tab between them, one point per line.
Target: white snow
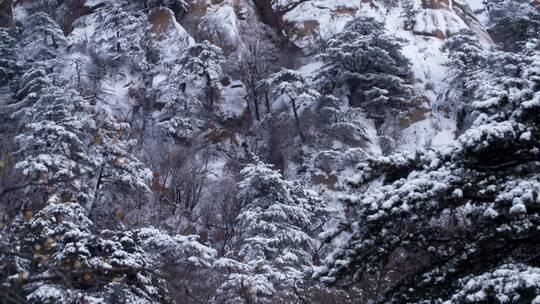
431	21
224	20
233	101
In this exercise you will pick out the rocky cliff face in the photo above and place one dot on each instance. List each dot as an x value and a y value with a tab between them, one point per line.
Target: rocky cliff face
295	25
302	21
443	18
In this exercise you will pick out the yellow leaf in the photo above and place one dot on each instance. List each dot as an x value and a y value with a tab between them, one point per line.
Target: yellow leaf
49	243
120	214
77	264
87	277
45	260
98	140
28	215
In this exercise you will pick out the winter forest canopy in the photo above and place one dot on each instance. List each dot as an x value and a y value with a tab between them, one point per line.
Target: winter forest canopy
269	151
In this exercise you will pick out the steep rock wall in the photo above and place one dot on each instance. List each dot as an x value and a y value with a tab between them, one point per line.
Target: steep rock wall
303	21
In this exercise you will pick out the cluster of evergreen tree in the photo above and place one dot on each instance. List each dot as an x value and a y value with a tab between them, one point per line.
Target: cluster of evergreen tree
457	225
454	225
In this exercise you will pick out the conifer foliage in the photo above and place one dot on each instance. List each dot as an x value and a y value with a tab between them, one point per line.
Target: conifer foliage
366	64
276	245
447	223
142	163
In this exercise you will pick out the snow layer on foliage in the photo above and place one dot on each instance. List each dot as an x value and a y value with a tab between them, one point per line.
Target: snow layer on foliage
83	30
435	128
184	248
508	284
46	293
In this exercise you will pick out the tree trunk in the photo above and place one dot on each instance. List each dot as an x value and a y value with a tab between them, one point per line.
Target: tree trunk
211	92
267	102
96	189
296	119
118	47
256	107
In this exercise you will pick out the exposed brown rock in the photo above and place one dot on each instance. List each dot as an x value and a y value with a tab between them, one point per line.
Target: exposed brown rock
269	16
306	29
161	20
198	7
300	32
345	10
237	7
417	113
328	180
218	135
435	4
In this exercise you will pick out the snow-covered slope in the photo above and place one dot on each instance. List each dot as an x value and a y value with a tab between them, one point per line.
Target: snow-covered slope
432	21
303	23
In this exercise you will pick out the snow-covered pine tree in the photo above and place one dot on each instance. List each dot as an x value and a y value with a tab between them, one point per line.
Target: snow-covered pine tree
512	22
181	95
53	149
185	262
296	88
276	246
341	122
8	56
37	81
56	257
40	43
409	14
190	90
459	224
42	38
366	64
467	62
66	147
119	175
202	64
120	32
465	56
119	166
255	64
